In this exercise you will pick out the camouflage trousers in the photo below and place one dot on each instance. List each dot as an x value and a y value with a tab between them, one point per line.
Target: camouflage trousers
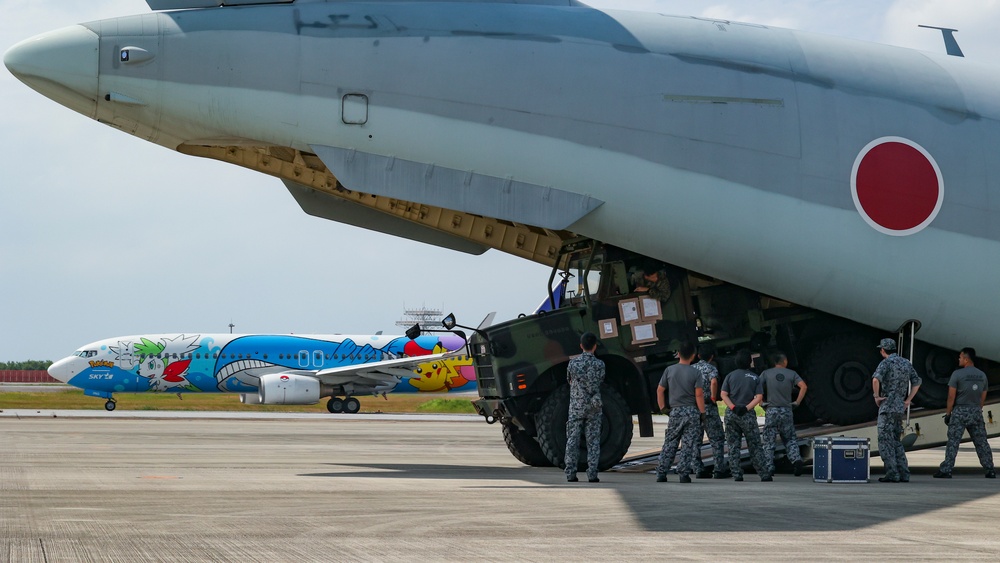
778	422
890	445
737	429
971	418
591	422
684	426
716	437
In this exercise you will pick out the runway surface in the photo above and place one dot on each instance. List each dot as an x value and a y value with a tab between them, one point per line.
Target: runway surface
419	489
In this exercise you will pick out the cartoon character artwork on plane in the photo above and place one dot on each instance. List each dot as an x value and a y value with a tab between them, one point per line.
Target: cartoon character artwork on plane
452	374
269	369
155	363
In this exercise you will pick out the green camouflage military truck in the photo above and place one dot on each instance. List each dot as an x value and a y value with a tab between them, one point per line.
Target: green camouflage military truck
521	364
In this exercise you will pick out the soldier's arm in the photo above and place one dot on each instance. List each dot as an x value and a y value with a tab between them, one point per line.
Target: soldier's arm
699	399
875	389
915	382
661	397
982	400
802	392
714	388
951	399
725	399
756	401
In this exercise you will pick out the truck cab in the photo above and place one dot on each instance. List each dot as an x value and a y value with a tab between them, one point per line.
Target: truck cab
521	364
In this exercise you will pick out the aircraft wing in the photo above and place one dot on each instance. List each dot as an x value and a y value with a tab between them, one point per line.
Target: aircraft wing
384	372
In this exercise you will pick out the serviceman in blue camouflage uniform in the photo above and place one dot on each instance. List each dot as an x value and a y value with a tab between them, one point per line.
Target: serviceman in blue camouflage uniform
966	395
889	384
713	422
585	374
742	392
778	383
682	384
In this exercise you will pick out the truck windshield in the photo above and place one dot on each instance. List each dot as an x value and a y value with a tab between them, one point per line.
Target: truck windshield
584	266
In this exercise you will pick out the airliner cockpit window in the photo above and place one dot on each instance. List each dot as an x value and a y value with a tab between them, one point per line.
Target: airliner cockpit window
86	353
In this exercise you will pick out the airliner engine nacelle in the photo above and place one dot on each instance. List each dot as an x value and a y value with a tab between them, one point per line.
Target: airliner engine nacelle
250	398
288	389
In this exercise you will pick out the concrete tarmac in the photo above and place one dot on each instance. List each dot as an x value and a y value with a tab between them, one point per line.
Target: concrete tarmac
198	489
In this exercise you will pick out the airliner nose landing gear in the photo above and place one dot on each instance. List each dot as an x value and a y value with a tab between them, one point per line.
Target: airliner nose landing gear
348	405
110	405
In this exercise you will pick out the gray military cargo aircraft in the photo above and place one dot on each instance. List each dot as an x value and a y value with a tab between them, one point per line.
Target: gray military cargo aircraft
801	166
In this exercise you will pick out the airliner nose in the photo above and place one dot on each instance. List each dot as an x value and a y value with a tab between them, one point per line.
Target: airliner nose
63	370
61	65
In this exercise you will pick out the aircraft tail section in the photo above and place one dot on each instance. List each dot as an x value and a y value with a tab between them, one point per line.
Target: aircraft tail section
553	303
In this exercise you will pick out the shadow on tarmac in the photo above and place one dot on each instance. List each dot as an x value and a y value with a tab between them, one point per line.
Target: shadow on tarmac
792	504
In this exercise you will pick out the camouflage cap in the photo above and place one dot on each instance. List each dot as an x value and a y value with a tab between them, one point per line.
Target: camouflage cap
887	344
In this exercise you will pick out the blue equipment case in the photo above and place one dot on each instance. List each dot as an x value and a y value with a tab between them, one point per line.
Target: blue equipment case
840	459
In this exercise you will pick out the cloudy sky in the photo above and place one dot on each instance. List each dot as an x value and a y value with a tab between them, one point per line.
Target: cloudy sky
103	235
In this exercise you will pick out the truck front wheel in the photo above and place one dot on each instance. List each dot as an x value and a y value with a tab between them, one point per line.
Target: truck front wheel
616	428
524	447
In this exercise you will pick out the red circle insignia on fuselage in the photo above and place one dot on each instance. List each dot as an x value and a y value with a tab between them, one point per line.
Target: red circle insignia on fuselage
897	186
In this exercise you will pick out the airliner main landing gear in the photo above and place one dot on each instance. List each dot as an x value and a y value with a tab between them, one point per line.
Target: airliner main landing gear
348	405
335	405
352	405
110	405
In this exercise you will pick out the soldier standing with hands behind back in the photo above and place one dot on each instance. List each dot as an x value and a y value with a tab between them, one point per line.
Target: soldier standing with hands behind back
779	382
892	376
966	395
742	392
687	410
713	422
584	374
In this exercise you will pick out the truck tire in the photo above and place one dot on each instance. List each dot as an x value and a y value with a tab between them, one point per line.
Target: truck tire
524	447
616	428
934	365
839	372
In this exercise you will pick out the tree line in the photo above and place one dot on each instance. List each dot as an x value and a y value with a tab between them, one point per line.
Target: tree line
27	365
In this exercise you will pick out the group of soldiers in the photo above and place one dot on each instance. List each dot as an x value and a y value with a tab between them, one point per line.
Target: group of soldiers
742	391
690	388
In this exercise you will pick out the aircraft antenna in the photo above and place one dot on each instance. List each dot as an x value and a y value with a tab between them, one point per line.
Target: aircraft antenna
950	43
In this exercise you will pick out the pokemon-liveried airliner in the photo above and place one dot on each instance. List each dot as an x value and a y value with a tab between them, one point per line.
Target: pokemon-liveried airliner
269	369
